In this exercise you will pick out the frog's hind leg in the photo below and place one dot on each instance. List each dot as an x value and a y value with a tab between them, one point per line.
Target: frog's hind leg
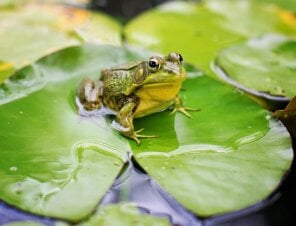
124	122
89	94
178	106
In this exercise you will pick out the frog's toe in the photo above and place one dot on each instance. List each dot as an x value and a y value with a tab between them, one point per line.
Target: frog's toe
191	109
138	131
173	111
135	138
184	110
136	135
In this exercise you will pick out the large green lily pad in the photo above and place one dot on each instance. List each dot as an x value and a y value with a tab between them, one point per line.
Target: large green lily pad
199	31
52	161
31	31
230	155
265	66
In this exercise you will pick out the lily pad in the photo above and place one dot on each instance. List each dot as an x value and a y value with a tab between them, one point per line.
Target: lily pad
198	31
125	214
264	66
52	162
230	155
31	31
24	223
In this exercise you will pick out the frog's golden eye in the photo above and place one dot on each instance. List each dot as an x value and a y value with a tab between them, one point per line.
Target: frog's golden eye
154	64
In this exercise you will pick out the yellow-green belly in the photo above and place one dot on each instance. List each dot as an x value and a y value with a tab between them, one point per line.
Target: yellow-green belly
156	97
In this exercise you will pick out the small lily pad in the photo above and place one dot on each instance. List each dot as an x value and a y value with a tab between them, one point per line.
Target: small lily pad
24	223
200	30
36	30
125	214
264	66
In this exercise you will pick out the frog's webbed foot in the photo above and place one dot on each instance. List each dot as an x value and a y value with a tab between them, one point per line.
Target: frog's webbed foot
178	107
136	135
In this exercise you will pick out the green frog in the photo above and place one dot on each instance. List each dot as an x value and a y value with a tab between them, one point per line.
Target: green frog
135	90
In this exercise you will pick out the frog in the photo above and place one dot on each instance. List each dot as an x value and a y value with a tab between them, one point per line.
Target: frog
135	90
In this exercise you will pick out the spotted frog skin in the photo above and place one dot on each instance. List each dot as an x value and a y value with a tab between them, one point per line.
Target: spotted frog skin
135	90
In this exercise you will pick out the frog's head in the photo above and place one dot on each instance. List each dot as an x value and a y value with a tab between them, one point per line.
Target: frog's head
166	69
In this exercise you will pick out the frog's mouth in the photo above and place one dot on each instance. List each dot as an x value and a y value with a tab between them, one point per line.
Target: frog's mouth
162	88
165	78
156	84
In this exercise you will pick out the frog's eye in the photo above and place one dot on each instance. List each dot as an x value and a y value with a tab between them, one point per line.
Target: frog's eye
154	64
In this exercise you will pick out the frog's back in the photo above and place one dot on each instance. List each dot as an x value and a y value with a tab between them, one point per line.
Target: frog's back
118	80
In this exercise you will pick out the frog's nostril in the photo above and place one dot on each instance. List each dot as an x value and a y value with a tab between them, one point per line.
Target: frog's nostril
180	57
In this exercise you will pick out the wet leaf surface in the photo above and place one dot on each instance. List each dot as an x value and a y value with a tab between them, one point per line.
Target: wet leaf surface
56	163
199	31
265	66
36	30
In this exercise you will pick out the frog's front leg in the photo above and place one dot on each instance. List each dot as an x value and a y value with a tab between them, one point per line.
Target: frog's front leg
178	106
124	122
